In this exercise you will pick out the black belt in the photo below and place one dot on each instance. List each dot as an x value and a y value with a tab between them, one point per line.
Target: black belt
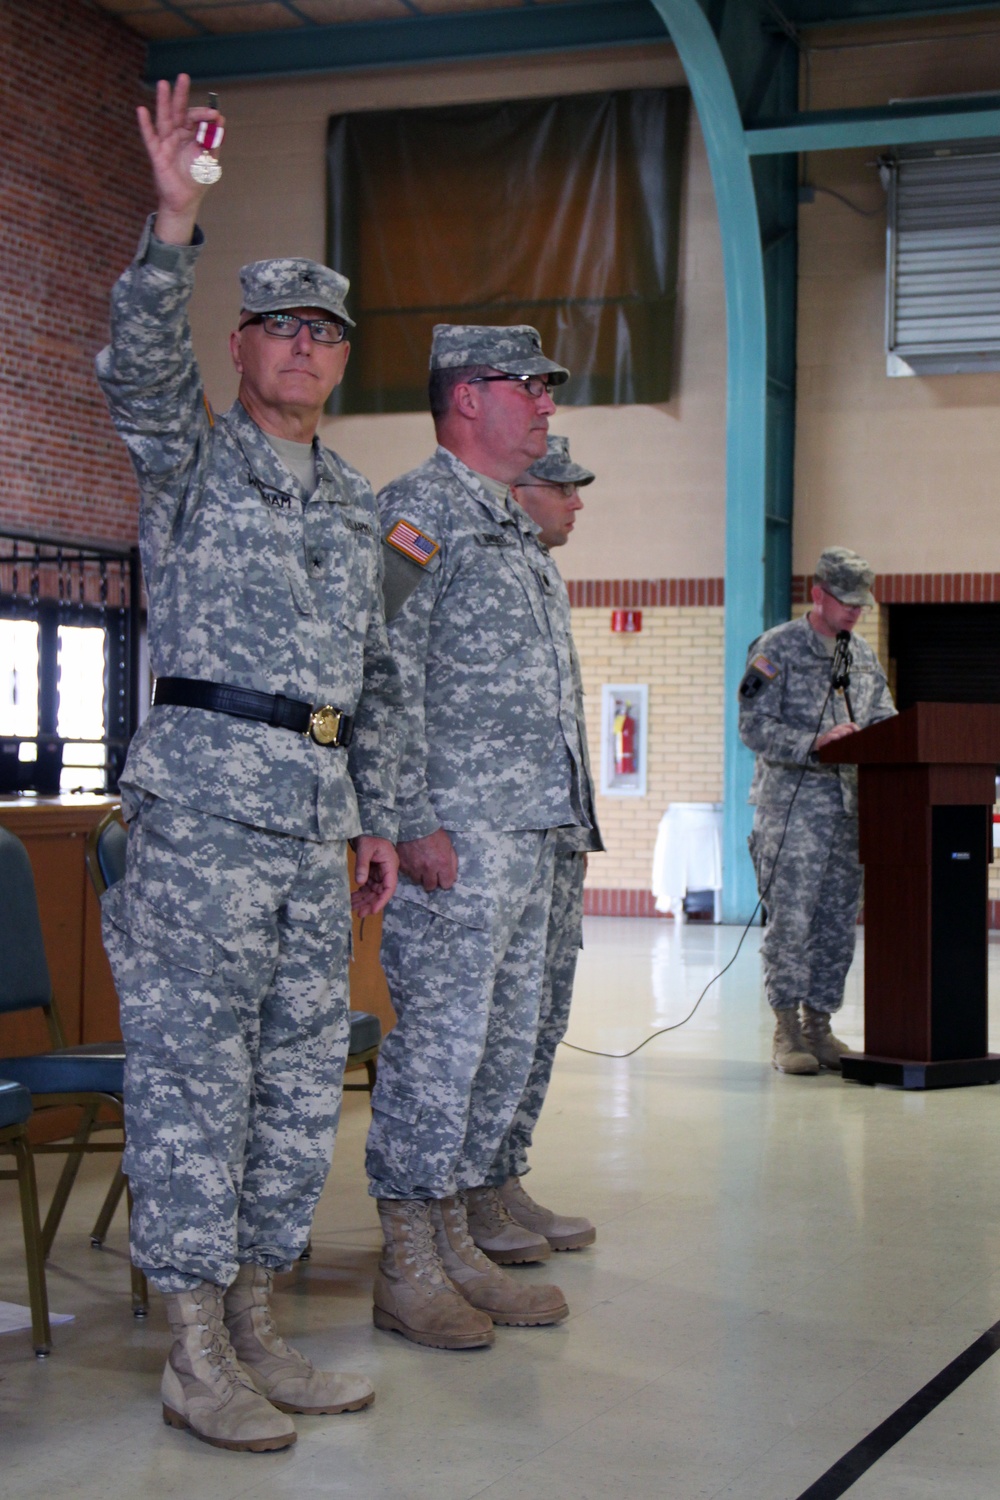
326	724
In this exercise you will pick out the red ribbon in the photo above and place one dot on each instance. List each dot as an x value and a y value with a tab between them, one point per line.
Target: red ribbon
209	135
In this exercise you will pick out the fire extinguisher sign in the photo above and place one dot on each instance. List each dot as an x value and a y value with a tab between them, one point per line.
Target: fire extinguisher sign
624	735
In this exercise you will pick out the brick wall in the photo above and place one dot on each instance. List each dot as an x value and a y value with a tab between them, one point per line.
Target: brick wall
75	188
679	654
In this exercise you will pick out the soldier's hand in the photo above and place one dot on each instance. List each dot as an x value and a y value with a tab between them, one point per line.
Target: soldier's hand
171	145
430	862
375	874
838	732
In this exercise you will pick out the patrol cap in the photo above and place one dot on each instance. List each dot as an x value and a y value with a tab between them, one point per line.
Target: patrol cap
846	576
557	467
273	285
515	349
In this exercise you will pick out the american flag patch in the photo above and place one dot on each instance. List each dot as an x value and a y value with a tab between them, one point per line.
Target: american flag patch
764	667
412	543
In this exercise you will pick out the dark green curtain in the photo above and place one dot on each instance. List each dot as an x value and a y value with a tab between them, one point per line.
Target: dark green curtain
562	213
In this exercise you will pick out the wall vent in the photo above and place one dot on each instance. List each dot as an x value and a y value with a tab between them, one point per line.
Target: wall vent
943	251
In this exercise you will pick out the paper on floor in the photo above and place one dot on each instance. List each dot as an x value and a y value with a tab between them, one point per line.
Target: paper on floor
13	1317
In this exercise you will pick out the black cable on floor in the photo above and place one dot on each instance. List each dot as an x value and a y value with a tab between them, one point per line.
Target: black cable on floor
662	1030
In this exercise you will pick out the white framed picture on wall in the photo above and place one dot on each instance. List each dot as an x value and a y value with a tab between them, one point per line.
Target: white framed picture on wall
624	738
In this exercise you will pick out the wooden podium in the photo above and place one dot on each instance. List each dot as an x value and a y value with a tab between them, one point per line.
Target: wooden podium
926	793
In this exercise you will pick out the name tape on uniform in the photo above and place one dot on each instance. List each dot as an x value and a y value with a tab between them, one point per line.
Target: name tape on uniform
412	542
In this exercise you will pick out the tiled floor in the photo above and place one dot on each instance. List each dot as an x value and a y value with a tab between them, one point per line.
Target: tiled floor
780	1264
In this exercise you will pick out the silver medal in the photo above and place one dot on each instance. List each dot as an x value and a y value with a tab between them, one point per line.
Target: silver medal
205	169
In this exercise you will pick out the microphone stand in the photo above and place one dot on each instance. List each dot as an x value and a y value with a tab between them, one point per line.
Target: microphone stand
842	660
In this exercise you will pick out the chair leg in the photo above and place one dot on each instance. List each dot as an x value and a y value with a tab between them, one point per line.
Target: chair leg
140	1287
66	1180
41	1333
371	1071
99	1232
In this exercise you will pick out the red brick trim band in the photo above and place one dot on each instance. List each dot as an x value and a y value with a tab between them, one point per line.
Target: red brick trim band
608	903
612	903
636	593
920	588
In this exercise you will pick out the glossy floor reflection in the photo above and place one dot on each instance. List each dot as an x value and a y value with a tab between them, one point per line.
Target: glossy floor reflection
780	1264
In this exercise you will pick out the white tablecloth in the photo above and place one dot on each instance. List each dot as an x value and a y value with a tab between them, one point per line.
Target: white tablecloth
687	855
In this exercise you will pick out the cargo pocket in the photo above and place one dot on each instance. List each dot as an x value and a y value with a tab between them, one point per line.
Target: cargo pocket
149	1165
131	915
394	1147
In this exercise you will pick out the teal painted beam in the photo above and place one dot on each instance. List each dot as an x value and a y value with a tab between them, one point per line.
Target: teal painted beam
746	341
410	40
887	125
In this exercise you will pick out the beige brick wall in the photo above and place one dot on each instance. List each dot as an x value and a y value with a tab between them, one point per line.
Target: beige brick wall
679	654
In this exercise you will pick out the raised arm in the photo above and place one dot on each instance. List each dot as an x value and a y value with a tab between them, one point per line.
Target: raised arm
171	145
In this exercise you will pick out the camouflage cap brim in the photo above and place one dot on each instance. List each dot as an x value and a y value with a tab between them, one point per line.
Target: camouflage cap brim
552	470
853	598
291	281
514	349
282	304
536	365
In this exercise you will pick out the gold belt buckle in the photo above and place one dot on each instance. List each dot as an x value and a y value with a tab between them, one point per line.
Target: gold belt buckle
324	724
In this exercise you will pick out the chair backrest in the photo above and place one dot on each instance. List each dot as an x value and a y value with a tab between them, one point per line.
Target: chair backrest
106	851
24	972
111	850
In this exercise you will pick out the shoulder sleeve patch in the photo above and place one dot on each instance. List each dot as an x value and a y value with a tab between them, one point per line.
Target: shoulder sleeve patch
759	674
411	542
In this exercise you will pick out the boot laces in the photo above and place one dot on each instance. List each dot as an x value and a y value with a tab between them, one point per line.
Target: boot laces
521	1198
491	1207
218	1352
419	1249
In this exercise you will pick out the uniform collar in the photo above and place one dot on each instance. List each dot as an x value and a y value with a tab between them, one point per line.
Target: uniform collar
815	640
509	514
267	466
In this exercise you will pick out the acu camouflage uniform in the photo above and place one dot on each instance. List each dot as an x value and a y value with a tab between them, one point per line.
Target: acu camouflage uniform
814	886
494	755
565	931
229	934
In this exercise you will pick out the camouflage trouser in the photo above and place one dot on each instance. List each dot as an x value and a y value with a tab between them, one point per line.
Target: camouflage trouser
812	904
565	939
229	948
465	974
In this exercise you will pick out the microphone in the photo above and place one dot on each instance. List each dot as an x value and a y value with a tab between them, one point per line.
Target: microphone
842	660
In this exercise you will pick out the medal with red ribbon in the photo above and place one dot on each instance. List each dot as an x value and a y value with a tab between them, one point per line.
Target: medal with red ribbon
205	169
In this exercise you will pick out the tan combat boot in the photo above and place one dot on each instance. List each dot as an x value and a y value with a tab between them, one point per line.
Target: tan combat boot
561	1231
790	1054
494	1230
203	1387
413	1296
820	1040
288	1380
484	1284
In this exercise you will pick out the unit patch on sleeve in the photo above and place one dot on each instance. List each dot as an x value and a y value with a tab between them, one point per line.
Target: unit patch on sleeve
412	543
758	675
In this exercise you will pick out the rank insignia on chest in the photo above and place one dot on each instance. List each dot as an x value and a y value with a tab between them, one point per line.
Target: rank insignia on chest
412	542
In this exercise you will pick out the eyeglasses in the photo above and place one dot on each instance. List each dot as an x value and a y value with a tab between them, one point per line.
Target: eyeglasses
566	490
532	385
286	326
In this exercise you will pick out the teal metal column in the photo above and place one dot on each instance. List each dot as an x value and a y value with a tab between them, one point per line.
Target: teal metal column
746	408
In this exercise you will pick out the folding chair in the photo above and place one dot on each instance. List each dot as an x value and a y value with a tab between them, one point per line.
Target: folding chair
89	1077
15	1110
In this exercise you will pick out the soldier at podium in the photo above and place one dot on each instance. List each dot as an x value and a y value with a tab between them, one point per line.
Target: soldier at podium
807	683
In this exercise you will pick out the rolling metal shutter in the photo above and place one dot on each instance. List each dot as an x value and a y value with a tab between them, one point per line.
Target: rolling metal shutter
943	303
